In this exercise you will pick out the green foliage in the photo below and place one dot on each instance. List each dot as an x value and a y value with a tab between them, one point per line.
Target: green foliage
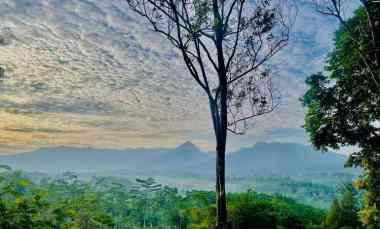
344	213
253	210
314	191
285	213
333	216
68	202
23	204
350	207
343	107
246	211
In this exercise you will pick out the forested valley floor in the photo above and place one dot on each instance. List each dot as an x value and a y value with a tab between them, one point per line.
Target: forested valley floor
66	201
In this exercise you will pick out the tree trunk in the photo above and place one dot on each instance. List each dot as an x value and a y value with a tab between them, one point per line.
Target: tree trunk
221	139
221	222
221	211
219	115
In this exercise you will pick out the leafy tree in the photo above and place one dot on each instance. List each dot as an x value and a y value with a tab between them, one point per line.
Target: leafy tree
350	208
249	214
344	213
225	45
365	36
343	104
333	216
144	191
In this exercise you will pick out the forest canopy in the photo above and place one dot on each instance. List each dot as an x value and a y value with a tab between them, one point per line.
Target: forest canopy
104	202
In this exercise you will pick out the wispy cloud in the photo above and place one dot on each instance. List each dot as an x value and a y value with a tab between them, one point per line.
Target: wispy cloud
89	73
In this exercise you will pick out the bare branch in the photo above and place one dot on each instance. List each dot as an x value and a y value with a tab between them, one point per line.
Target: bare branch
245	34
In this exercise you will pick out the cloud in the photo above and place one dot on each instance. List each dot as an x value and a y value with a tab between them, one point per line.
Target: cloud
34	130
48	105
90	73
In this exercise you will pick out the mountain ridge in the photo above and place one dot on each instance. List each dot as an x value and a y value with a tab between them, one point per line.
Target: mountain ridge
263	158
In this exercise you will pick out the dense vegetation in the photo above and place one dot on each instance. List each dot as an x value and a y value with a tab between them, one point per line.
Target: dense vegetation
343	110
68	202
316	191
344	212
343	104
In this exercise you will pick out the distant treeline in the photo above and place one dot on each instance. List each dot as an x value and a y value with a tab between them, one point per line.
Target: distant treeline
318	191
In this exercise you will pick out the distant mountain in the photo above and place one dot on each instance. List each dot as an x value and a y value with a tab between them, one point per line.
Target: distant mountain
82	160
187	159
128	161
287	159
184	156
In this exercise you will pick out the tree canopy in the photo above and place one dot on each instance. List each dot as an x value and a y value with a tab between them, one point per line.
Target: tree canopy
68	202
343	106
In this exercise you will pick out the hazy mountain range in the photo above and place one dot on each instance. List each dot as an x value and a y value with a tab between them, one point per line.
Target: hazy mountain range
281	159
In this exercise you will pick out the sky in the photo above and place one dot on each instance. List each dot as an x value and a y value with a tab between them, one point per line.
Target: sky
90	73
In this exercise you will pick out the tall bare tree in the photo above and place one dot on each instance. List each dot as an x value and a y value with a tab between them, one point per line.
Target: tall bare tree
226	46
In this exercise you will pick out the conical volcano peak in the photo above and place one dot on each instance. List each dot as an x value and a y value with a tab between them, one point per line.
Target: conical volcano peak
187	146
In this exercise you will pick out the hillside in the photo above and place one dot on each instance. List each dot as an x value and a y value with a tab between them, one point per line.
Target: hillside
88	160
287	159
